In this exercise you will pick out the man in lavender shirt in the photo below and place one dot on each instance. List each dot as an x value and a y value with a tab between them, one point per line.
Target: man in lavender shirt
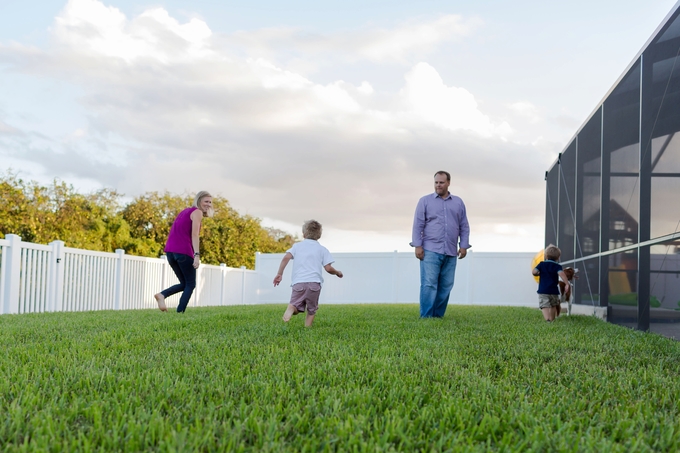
439	222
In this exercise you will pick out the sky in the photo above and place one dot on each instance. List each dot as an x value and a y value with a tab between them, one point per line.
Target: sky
340	111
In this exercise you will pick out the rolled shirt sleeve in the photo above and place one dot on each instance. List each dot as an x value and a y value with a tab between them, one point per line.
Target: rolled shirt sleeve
463	227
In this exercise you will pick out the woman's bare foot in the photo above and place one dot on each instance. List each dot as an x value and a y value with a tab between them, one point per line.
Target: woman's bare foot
160	300
290	311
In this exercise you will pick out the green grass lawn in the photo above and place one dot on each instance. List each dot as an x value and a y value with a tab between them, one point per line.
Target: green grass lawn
364	378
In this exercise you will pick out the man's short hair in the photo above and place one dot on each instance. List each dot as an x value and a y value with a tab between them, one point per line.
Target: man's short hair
552	252
311	229
446	173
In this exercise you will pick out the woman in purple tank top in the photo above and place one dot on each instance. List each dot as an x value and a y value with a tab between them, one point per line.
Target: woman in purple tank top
182	250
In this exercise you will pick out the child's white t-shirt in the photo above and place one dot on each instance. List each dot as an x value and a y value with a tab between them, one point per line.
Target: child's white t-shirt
309	259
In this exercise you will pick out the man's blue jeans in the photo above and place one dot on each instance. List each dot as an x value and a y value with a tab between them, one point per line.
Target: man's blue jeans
437	273
183	267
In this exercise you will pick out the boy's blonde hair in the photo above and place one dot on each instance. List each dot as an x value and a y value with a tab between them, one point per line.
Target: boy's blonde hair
311	229
552	252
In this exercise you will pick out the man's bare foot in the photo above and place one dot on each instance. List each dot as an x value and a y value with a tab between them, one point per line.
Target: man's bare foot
160	300
290	311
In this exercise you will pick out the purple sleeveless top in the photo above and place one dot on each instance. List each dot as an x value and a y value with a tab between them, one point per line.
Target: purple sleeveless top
179	239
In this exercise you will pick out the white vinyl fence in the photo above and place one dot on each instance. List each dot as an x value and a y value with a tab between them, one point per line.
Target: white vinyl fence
40	278
481	279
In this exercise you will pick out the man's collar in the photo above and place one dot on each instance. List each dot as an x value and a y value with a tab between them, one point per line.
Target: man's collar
443	198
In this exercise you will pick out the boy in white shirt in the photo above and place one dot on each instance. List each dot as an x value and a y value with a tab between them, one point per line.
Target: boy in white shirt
309	258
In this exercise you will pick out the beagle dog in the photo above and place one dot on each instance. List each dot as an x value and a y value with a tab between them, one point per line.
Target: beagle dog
571	276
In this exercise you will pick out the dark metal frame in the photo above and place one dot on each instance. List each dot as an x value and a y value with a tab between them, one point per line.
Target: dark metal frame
649	54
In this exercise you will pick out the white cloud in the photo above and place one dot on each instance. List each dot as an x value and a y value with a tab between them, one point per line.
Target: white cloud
365	88
415	38
168	108
449	107
105	31
7	129
273	77
78	133
527	110
419	37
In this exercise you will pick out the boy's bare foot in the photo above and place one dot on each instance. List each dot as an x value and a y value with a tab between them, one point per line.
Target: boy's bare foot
160	300
290	311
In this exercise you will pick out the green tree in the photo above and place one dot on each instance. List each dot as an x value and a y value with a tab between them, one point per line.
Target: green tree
97	221
150	217
42	214
15	205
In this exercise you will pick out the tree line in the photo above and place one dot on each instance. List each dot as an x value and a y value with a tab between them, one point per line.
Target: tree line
101	221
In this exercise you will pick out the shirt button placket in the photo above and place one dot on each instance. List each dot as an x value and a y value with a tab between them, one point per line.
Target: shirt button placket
446	230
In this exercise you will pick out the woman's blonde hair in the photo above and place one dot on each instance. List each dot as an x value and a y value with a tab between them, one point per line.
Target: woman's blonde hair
311	229
197	202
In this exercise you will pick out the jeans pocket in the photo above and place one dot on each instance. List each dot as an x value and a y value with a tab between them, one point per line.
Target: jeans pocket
315	287
182	258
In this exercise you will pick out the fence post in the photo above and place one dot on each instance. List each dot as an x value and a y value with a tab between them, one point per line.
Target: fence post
12	274
395	277
3	276
164	273
470	294
120	268
223	275
258	276
195	298
243	285
56	272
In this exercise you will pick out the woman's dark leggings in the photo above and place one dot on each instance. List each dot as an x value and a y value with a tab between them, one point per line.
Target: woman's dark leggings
183	267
